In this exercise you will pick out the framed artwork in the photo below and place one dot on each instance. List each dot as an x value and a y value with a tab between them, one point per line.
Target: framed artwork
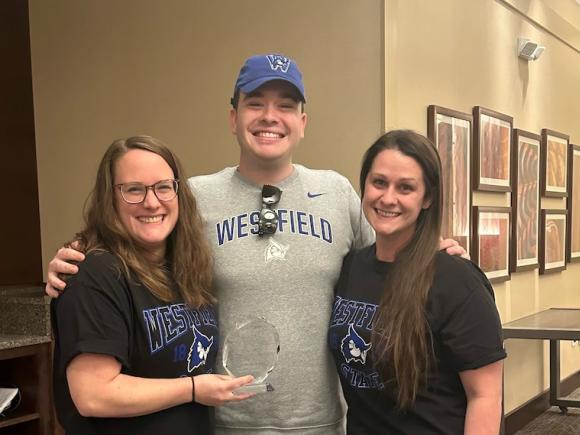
492	150
554	163
525	200
451	133
491	241
552	241
573	242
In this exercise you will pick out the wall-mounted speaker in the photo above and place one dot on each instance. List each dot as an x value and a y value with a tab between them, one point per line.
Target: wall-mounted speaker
529	50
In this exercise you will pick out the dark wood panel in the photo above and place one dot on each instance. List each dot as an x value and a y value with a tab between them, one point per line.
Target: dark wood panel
30	369
20	249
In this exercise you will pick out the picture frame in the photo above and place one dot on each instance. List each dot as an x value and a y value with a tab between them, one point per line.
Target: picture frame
451	133
573	205
491	241
525	200
492	150
552	240
554	163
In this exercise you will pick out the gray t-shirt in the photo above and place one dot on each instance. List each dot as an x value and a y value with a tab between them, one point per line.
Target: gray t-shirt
288	278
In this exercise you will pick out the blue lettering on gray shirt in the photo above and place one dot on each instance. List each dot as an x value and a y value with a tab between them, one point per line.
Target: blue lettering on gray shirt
291	221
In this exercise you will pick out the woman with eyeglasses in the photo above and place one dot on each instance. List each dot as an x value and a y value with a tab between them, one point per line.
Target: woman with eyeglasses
415	332
135	343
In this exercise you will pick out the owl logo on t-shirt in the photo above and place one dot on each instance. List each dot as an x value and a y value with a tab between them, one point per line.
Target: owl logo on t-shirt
275	251
353	347
199	350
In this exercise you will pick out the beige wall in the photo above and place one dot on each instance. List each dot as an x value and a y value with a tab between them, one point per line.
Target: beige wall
460	54
104	69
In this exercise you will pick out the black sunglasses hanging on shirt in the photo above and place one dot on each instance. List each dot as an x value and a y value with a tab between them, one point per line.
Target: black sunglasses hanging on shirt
268	216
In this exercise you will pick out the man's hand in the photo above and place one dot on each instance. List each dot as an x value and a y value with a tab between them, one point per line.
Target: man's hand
59	267
453	248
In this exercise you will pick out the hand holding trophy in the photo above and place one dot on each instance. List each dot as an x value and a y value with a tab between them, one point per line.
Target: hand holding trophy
252	348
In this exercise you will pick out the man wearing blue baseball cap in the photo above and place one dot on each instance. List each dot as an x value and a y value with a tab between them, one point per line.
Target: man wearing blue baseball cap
283	271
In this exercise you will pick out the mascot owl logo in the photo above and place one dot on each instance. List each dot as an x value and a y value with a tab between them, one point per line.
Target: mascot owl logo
353	347
275	251
199	350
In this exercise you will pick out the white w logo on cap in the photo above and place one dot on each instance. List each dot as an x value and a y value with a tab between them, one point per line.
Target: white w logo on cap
278	62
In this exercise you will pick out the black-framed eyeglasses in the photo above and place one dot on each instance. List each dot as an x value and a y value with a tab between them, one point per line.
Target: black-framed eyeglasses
268	222
135	193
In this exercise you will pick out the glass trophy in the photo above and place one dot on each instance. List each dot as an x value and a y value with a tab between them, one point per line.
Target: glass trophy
252	348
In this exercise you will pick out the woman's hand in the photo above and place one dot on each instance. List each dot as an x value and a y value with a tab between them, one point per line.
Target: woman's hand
215	390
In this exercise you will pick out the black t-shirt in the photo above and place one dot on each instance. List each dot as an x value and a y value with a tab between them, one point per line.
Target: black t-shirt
466	333
103	312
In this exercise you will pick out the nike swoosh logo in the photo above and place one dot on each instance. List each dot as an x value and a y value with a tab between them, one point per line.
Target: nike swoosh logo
314	195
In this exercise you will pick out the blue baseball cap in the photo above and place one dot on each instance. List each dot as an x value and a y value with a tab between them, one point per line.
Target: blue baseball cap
261	69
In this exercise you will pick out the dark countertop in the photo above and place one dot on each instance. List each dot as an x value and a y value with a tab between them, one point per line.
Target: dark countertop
24	317
12	341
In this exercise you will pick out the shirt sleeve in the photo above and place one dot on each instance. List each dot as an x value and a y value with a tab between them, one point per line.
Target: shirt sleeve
93	314
364	234
471	336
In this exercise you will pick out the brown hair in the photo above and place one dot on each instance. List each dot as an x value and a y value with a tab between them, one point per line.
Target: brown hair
235	100
187	262
401	338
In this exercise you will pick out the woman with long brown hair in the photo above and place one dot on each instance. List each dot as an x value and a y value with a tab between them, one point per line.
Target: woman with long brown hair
136	340
415	332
